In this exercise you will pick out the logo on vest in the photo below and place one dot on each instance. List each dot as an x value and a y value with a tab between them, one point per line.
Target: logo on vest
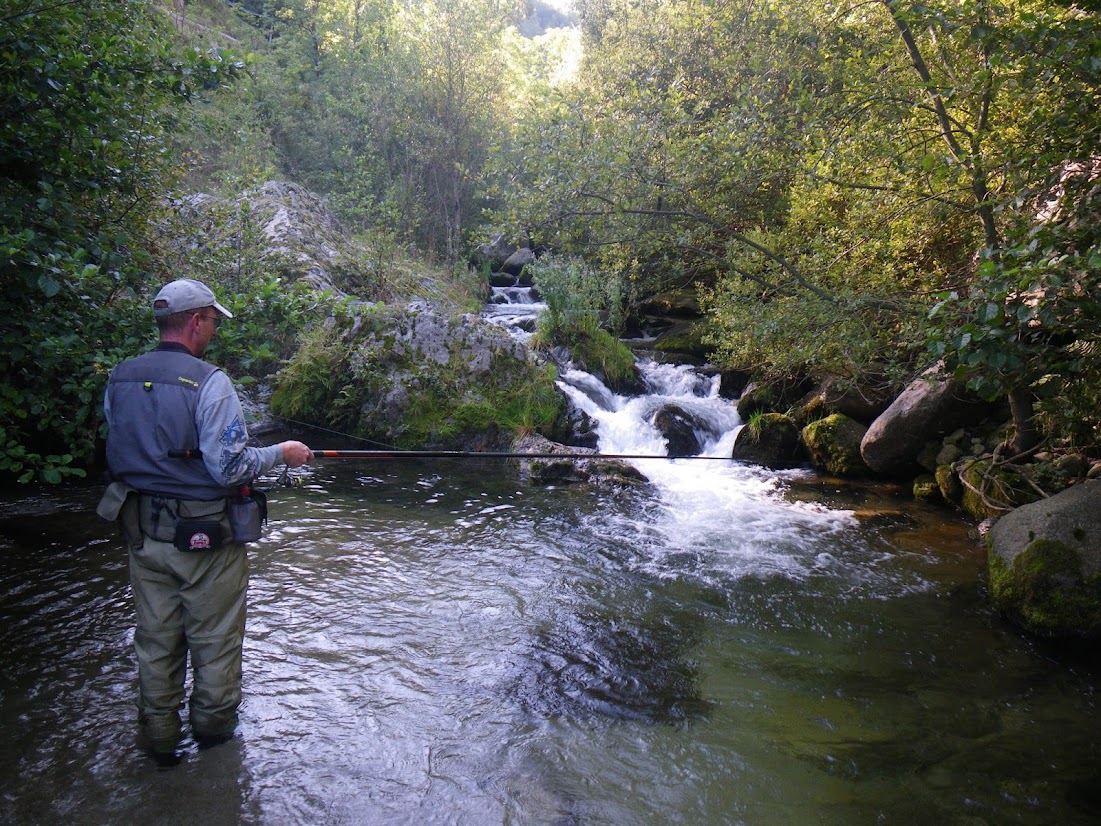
199	541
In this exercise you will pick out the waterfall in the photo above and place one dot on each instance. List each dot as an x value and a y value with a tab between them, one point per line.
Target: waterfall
732	518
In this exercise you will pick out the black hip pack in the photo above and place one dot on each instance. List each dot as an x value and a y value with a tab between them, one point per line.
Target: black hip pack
198	535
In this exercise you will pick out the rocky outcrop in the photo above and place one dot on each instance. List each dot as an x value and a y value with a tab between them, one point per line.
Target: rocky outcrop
415	376
289	227
1045	564
931	406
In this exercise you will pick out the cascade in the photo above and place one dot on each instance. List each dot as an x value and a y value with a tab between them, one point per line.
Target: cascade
732	518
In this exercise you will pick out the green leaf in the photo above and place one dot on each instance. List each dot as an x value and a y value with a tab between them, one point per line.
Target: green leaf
49	286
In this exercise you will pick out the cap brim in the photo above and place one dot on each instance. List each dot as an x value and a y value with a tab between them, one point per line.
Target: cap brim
222	310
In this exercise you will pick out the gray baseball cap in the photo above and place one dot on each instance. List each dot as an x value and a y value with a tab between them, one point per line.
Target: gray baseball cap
185	294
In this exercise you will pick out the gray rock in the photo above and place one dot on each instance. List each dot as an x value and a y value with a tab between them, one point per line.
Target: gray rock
596	471
1045	563
517	261
931	406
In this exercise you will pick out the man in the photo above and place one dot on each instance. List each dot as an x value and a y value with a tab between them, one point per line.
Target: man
189	594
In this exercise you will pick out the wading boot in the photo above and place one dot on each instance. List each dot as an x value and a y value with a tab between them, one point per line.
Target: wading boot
161	735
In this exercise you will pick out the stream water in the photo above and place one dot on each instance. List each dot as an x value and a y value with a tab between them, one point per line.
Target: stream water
440	642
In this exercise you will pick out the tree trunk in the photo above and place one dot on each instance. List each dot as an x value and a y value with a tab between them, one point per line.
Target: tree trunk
1024	428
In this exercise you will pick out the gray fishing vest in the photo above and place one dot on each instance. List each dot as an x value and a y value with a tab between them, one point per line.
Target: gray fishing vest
153	399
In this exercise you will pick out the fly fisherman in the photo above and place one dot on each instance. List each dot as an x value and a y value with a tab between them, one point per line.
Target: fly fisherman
188	566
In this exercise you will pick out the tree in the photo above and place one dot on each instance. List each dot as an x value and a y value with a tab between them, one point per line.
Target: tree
829	174
86	89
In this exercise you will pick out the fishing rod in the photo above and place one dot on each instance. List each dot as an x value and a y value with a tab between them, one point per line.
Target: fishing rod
461	454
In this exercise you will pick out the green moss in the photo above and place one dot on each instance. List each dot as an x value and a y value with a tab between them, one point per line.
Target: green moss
368	383
926	488
990	490
834	445
1045	592
949	484
683	338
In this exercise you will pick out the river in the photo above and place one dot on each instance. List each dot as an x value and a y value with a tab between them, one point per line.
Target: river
443	642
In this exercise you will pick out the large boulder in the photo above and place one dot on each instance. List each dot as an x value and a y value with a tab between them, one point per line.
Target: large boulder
1045	564
416	376
515	263
493	254
930	407
834	445
772	440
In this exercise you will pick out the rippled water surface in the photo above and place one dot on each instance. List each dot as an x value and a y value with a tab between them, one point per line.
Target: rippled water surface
444	643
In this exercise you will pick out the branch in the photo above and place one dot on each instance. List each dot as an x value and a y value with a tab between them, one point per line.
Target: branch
40	10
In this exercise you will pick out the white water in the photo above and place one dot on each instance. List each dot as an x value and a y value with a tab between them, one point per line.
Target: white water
732	516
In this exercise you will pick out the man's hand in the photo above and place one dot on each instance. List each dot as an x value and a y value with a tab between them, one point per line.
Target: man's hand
295	453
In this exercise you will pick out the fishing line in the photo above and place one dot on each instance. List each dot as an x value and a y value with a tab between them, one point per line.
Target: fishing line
467	454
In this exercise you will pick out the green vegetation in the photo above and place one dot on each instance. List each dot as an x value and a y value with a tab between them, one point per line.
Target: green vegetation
855	191
86	94
850	191
577	300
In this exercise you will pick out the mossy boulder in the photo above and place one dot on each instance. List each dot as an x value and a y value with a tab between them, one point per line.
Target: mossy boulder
834	445
415	377
686	337
772	440
1045	564
949	483
926	488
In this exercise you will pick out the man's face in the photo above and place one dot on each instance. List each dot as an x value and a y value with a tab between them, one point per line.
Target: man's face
209	320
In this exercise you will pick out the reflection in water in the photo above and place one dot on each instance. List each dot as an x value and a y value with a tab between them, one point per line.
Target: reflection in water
432	642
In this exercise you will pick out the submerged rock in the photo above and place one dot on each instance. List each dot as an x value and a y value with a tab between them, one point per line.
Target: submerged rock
599	471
